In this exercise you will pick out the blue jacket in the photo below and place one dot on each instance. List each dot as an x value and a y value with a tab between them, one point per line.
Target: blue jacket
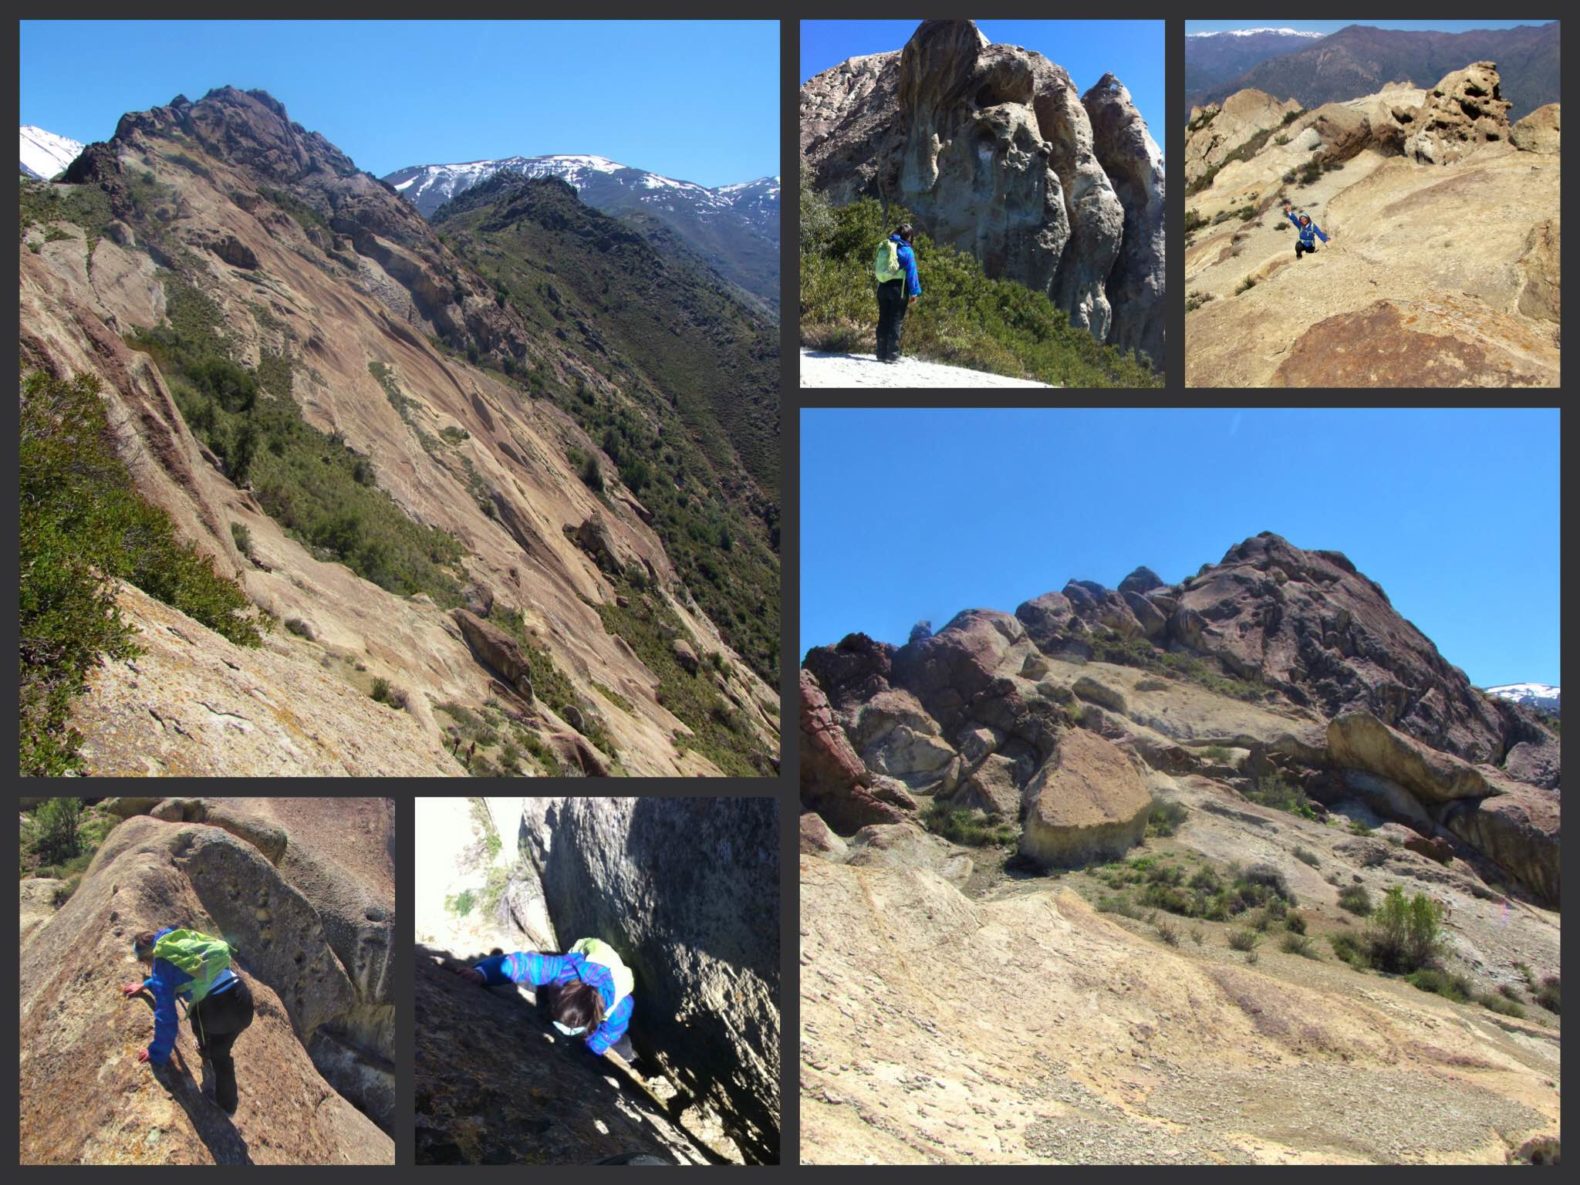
165	983
913	282
1311	228
538	969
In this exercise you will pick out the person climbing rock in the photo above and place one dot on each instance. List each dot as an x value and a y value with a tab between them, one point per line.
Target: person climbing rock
1307	228
588	990
898	287
197	968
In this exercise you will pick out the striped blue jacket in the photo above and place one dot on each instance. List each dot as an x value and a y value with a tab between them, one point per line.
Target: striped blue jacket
540	969
165	982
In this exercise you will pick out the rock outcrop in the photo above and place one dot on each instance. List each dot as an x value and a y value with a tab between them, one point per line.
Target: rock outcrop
834	782
79	1037
1217	131
991	149
1538	131
1464	110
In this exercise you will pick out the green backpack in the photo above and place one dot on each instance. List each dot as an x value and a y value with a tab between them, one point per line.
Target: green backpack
886	263
202	956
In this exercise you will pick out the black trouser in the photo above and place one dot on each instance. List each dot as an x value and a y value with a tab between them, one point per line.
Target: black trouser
217	1021
891	317
1304	248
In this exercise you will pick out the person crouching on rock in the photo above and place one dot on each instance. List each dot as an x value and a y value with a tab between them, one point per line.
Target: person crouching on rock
588	990
1307	228
195	967
898	287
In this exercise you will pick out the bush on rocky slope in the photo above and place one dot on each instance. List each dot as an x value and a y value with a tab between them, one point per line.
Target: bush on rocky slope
963	318
82	525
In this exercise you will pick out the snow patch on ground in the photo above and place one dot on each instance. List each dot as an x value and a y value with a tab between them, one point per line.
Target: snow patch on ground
820	369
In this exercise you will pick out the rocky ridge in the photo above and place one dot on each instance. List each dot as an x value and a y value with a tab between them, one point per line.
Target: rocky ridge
1059	730
311	261
313	954
993	151
1368	311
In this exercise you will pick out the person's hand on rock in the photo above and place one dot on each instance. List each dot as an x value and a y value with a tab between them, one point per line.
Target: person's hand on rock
131	989
470	974
142	1055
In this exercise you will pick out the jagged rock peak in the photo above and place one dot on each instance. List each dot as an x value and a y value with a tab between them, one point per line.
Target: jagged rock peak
993	152
1142	580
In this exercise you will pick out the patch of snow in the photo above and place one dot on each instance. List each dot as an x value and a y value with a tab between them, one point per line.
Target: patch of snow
44	154
1285	32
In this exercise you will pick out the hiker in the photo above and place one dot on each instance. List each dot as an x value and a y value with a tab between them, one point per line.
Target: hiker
195	967
588	990
898	287
1307	228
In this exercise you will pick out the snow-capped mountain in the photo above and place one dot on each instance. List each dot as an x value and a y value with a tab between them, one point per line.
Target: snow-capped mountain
1283	32
44	154
734	228
1541	696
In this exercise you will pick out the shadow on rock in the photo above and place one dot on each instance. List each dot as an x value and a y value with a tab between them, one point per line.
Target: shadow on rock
496	1085
209	1122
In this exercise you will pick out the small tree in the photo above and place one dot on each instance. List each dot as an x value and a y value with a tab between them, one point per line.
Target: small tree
1405	935
55	830
817	221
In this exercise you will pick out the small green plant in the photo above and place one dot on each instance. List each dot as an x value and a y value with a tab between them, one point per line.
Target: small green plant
1195	300
461	903
969	827
1196	935
1548	994
1451	987
1347	948
242	538
1168	932
1166	817
295	625
1356	899
1298	944
1120	904
1275	790
1307	856
1360	827
1295	922
1194	220
454	435
1243	939
1501	1004
1246	285
1291	116
385	693
1281	140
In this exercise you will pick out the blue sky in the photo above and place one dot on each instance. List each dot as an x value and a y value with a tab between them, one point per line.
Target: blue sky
918	514
695	100
1130	50
1334	26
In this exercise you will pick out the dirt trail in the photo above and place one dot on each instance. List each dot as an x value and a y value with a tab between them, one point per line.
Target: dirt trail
819	369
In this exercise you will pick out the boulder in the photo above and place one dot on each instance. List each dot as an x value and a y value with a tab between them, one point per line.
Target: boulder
1538	131
685	655
594	538
38	897
125	808
915	758
907	846
992	788
1142	580
1433	847
853	671
1541	294
1218	131
872	721
147	874
1088	803
687	890
497	649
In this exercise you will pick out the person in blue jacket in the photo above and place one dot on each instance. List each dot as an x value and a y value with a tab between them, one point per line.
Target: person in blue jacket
217	1019
896	294
1307	229
587	990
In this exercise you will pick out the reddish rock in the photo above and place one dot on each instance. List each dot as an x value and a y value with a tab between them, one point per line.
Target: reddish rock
834	783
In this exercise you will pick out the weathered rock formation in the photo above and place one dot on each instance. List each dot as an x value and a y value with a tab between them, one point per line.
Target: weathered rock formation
1336	684
85	1099
1538	131
1219	130
1464	110
992	150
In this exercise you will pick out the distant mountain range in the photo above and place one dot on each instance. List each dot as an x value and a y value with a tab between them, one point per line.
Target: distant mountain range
44	154
1541	696
734	228
1360	60
1214	58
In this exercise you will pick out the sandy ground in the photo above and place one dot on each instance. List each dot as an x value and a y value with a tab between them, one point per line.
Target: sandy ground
820	369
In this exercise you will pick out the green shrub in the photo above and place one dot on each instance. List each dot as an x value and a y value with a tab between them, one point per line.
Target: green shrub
322	492
1298	944
1404	935
385	693
1243	939
1295	922
83	524
1451	987
1356	899
1246	285
1166	817
1275	790
1496	1002
1119	904
1548	994
461	904
1348	949
53	835
969	827
1195	300
1306	856
1168	932
963	318
1194	220
242	538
